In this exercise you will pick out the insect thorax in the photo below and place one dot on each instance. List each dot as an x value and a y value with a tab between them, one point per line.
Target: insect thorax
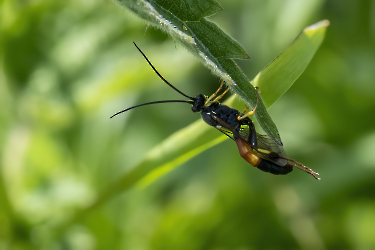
224	113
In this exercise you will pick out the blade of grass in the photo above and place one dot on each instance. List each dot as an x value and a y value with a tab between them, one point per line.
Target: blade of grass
280	74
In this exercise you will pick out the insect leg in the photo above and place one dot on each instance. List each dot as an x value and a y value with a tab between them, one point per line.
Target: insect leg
220	96
252	139
252	111
208	101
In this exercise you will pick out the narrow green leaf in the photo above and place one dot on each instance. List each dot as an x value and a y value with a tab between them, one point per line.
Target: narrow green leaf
279	75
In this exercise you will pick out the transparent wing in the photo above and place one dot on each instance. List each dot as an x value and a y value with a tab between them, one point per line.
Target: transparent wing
229	131
226	131
266	143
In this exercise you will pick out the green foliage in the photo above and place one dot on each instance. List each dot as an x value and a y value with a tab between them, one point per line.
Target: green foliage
197	137
65	67
185	21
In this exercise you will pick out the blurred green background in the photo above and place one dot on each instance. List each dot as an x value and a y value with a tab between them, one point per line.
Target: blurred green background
66	66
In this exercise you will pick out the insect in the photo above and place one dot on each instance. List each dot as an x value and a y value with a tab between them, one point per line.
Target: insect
258	150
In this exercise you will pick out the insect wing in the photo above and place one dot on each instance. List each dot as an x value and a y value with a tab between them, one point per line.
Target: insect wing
271	156
266	143
225	131
229	131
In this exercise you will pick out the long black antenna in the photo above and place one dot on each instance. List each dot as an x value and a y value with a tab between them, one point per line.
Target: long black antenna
143	104
152	66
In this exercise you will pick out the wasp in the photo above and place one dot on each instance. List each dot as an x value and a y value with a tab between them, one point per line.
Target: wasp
258	150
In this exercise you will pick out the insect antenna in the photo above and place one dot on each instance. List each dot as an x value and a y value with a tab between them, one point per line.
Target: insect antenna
148	103
161	77
192	99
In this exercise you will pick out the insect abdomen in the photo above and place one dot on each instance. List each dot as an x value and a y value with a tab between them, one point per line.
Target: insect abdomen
272	168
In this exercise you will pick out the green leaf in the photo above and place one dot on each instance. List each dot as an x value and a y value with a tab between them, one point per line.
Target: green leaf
184	21
280	74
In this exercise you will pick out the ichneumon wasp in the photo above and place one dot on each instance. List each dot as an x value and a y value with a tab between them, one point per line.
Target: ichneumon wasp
258	150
